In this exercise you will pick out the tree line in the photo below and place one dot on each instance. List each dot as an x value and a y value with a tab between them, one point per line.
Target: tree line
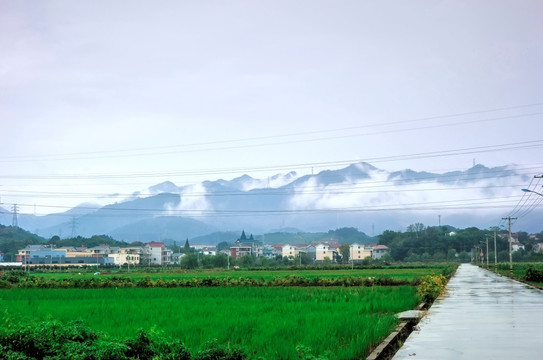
433	243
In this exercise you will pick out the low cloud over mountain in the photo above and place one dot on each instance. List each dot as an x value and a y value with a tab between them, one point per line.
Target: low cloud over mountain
359	195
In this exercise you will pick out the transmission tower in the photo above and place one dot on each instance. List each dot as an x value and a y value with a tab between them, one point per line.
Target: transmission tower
14	209
74	226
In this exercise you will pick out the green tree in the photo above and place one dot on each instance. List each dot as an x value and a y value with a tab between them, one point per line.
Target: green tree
412	258
175	248
306	259
186	248
387	258
189	261
464	257
220	260
388	237
344	250
439	256
247	260
503	255
426	257
223	245
207	261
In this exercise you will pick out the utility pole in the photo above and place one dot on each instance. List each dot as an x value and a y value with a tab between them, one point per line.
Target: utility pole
509	218
495	254
14	209
486	238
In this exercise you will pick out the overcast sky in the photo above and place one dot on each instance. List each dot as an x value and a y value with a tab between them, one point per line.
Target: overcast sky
114	96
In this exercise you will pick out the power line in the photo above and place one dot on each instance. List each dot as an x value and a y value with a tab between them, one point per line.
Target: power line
358	185
472	203
175	149
433	154
530	202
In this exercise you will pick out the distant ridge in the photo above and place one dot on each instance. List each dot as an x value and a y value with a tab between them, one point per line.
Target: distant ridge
359	195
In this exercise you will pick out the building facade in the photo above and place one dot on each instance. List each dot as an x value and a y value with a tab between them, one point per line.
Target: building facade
156	253
359	252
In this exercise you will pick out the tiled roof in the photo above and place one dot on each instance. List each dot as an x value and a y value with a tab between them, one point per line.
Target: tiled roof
156	244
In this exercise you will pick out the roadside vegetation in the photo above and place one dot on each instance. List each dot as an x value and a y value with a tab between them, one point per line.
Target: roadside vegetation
528	272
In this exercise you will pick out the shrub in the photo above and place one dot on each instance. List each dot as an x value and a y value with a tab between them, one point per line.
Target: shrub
213	351
533	275
431	286
141	346
145	282
177	351
110	350
4	284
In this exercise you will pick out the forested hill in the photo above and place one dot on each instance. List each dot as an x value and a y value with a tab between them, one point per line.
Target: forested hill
347	235
13	238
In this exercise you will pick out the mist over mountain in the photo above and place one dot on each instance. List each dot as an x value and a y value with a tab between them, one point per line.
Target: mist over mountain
359	195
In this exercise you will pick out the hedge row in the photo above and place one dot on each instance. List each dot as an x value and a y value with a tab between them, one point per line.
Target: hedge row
53	340
534	275
147	282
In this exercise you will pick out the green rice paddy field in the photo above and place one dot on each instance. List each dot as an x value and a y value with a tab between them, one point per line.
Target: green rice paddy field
267	322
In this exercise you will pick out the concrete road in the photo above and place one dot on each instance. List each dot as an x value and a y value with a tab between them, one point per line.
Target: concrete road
482	316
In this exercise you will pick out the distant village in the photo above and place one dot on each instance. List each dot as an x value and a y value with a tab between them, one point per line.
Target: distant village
158	254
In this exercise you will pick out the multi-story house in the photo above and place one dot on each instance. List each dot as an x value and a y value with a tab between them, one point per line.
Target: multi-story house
76	252
156	253
290	251
245	246
176	258
359	252
104	250
25	253
327	252
130	256
293	251
378	251
272	252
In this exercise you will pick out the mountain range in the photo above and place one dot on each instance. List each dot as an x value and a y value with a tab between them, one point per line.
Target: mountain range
359	195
